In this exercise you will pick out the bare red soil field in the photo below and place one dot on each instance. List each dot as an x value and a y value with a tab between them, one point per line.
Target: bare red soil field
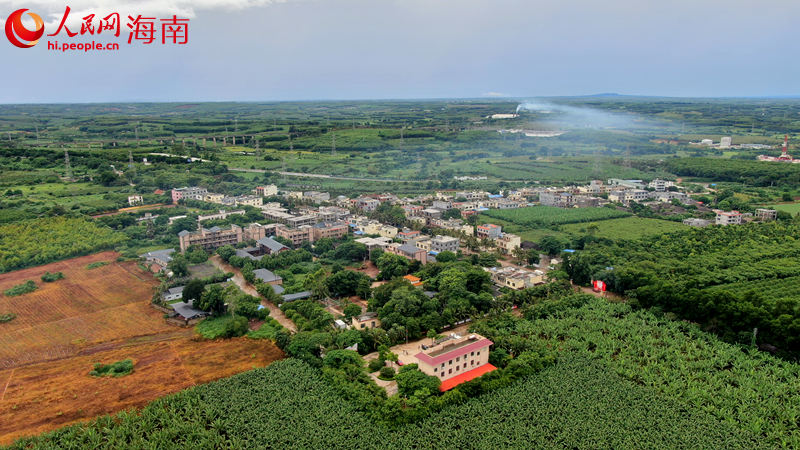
100	315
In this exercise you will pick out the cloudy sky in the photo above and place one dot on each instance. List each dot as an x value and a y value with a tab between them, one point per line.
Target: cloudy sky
254	50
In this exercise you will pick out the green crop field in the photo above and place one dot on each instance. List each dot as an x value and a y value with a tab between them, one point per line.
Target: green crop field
624	228
624	379
548	216
791	208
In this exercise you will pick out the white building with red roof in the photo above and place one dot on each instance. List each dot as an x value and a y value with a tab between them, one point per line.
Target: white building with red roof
456	359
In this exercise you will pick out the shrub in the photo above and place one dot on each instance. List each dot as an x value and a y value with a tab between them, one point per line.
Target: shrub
24	288
97	264
387	373
7	317
223	327
50	277
117	369
376	364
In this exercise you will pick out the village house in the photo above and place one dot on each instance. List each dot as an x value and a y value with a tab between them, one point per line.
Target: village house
728	218
489	231
269	190
366	320
408	250
764	214
158	259
267	276
190	193
456	359
515	278
135	200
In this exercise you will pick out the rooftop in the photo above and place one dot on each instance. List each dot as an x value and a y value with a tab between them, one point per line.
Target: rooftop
452	347
266	276
469	375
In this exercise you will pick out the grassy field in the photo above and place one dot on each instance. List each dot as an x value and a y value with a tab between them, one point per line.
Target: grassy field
549	216
624	228
791	208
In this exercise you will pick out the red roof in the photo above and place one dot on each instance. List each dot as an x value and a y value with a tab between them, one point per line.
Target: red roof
454	353
450	383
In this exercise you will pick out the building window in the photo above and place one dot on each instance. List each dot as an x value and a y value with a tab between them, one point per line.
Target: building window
362	325
479	353
458	358
450	371
441	375
450	362
442	365
472	354
465	365
458	368
472	363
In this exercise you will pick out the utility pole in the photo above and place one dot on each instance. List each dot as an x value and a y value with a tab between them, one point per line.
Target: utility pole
333	143
66	164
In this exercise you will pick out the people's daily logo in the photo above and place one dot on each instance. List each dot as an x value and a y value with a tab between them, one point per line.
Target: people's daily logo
20	36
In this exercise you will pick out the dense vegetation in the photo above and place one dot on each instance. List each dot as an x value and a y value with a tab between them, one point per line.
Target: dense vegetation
705	275
117	369
759	173
39	241
7	317
23	288
48	277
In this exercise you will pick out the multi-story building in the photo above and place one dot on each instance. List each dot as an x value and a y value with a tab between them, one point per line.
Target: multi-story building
660	185
558	199
630	184
668	196
332	214
135	200
316	197
456	359
367	204
276	214
489	231
250	200
269	190
408	250
296	235
508	242
189	193
629	195
423	243
213	198
210	238
407	234
444	244
728	218
374	243
412	210
333	230
299	221
431	213
442	205
764	214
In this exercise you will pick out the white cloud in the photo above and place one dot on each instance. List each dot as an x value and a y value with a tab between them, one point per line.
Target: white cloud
53	11
494	94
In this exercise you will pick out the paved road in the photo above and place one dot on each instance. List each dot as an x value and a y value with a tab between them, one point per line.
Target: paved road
248	288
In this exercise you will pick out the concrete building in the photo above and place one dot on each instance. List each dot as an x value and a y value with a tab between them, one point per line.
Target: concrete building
366	320
725	142
700	223
296	235
457	358
489	231
764	214
190	193
442	205
267	276
221	215
660	185
408	250
299	221
557	199
269	190
728	218
333	230
249	200
444	244
515	278
134	200
432	213
407	234
630	184
374	243
158	259
367	204
508	242
629	195
214	198
210	238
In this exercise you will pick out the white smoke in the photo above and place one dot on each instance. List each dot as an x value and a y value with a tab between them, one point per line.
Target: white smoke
567	116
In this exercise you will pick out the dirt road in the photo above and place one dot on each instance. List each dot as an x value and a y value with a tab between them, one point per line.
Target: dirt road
248	288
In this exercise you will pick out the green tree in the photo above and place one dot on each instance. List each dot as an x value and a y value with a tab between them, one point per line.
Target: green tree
179	266
391	266
350	311
193	290
212	300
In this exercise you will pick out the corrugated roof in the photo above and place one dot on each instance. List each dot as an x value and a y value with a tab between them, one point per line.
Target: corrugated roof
469	375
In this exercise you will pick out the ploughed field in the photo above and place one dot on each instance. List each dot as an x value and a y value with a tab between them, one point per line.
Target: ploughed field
99	315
